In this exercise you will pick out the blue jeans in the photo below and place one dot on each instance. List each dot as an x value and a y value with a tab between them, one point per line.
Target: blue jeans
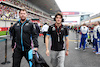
83	41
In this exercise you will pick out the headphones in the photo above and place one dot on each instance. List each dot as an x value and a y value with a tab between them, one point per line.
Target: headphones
61	21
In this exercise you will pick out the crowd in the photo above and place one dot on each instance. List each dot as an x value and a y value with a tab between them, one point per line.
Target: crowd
12	13
7	12
90	35
26	6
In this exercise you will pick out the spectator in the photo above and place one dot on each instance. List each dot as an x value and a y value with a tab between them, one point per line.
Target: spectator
45	30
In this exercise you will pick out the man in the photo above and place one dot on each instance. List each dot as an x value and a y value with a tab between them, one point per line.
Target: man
45	30
96	33
57	32
84	30
37	28
22	31
10	30
94	40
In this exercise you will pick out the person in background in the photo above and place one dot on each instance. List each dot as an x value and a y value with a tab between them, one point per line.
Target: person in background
37	28
96	33
45	30
10	31
94	40
84	30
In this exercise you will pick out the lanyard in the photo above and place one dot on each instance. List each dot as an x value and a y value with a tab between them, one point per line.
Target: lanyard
58	32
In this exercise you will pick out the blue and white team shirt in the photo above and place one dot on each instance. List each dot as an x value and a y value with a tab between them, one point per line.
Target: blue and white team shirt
95	30
84	30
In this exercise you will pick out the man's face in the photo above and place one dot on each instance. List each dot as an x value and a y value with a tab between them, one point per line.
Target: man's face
23	15
97	23
11	25
58	19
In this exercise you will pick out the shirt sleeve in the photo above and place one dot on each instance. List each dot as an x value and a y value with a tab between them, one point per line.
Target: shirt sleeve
34	36
49	30
14	36
99	29
66	32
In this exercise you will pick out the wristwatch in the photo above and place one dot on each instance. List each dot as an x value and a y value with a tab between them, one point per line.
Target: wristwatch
67	49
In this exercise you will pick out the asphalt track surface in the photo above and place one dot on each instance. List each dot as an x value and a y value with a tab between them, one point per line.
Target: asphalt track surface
76	58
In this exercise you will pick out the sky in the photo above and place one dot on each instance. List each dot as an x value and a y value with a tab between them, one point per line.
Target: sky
88	6
91	6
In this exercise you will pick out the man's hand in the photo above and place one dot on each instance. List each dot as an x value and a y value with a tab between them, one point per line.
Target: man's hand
12	49
47	52
66	53
35	49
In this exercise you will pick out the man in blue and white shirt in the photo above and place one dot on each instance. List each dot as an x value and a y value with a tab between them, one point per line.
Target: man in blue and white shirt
84	30
96	33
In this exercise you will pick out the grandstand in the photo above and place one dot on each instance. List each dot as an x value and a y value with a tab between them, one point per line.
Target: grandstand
9	11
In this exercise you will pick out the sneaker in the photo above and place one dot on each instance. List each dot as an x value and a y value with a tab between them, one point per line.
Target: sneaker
94	51
84	49
97	53
79	48
87	47
93	48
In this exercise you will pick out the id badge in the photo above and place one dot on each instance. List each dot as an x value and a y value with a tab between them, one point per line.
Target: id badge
58	38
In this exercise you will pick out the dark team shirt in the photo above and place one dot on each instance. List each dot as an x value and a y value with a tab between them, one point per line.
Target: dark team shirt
21	35
57	44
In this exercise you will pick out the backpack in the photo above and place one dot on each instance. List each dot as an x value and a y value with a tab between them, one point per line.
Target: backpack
36	60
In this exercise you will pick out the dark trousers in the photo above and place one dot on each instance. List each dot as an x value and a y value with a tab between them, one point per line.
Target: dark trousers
17	56
44	33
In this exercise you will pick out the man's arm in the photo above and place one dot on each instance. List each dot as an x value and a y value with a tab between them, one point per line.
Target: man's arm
67	41
46	43
35	38
67	45
99	29
13	39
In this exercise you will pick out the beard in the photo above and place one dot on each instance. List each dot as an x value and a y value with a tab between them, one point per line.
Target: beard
23	19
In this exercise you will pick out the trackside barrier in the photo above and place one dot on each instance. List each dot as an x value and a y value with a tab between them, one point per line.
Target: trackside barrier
4	38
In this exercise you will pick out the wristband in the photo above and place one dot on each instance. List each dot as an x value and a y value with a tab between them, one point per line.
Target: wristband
67	49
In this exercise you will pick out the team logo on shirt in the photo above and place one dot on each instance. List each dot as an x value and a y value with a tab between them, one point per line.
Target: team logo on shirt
53	29
18	24
27	24
62	28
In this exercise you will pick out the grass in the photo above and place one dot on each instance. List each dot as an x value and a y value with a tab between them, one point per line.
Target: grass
3	33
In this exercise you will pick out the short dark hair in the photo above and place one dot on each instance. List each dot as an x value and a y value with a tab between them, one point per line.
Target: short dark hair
60	14
11	23
45	23
99	22
84	24
22	10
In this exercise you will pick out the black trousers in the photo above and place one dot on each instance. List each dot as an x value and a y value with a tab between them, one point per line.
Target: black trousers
44	33
17	56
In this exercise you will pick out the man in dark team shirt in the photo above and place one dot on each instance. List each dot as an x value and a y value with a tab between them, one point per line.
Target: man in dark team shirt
57	32
22	32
